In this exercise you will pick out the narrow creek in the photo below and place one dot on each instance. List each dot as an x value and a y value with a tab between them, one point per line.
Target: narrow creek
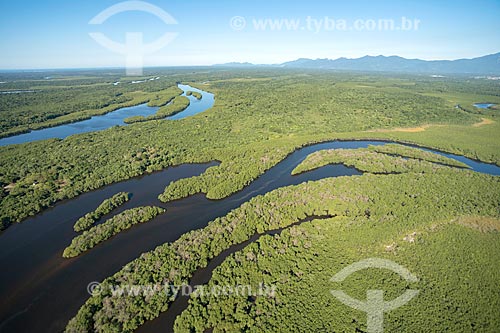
165	322
41	291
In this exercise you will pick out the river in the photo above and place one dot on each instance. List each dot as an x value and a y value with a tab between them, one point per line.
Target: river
114	118
41	291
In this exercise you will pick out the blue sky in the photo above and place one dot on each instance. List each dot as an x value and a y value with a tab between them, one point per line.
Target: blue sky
55	33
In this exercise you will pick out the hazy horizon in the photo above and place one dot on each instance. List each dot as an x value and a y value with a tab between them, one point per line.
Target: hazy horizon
209	65
55	34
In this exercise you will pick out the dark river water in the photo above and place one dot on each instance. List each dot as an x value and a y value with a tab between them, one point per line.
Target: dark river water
40	291
114	118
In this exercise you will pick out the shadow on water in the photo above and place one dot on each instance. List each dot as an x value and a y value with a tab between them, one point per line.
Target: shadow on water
41	291
165	322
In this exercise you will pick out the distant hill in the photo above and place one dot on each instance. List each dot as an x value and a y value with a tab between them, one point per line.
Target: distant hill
235	64
489	64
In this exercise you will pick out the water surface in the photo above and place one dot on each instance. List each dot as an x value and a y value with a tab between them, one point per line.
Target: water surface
483	105
114	118
41	291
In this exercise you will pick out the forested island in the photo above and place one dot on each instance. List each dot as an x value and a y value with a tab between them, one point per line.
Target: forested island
415	181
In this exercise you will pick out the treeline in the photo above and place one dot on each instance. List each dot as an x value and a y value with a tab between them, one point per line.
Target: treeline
61	101
239	168
165	96
131	99
370	160
24	111
104	208
386	200
229	177
178	104
196	94
416	153
109	228
300	262
258	118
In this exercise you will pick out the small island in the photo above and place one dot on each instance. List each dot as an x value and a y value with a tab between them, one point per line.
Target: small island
178	104
195	94
118	223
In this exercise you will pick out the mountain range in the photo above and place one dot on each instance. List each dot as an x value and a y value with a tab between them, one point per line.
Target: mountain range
486	65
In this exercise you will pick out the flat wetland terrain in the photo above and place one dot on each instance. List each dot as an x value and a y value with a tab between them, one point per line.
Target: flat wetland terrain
248	177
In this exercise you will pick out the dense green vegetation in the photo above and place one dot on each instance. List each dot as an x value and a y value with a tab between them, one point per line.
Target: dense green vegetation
58	101
178	104
104	208
210	181
391	205
165	96
412	207
51	120
405	151
196	94
101	232
365	160
456	267
477	142
51	102
262	116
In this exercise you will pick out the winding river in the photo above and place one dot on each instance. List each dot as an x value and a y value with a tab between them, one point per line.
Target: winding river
114	118
41	291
